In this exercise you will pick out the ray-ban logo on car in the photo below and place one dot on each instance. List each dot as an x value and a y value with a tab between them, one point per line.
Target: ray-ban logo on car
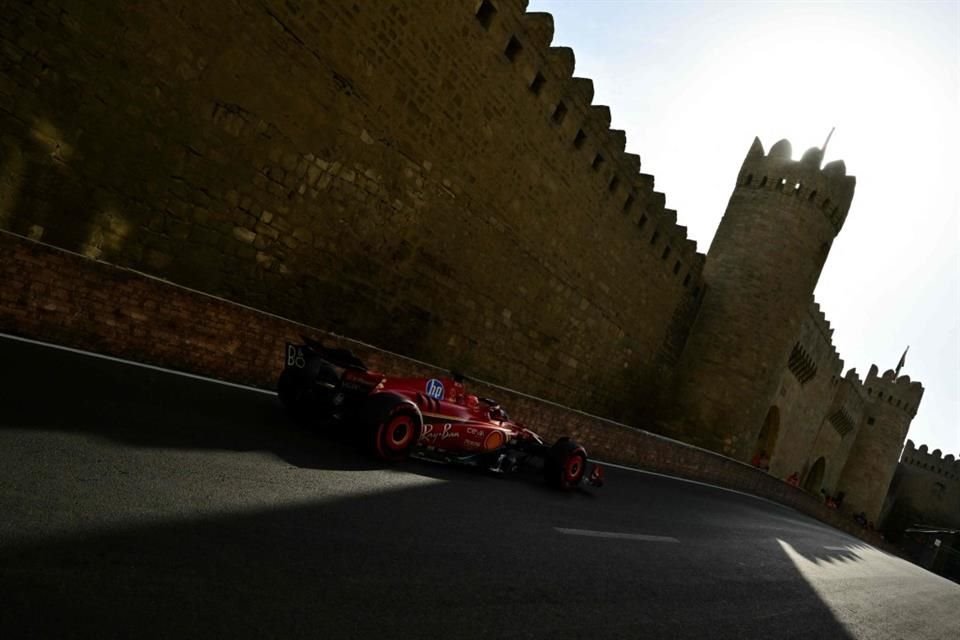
435	388
295	357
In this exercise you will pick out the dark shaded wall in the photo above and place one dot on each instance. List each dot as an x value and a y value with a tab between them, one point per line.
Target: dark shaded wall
925	488
402	172
891	404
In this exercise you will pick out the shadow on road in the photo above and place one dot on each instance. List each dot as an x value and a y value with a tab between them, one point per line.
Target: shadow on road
56	390
456	558
446	560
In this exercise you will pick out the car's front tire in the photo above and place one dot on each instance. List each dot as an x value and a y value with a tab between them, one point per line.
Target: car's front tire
565	464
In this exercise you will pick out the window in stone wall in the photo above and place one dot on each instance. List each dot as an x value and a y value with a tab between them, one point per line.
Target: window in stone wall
686	281
627	204
485	13
813	194
749	179
597	162
655	237
939	489
580	139
763	182
537	85
559	112
870	420
801	365
614	183
642	221
666	252
841	422
513	49
676	268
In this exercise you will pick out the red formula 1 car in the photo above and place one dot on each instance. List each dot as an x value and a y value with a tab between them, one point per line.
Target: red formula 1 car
433	418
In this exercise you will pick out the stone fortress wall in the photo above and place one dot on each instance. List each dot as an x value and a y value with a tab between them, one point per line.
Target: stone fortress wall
808	389
927	483
432	178
417	174
762	268
891	404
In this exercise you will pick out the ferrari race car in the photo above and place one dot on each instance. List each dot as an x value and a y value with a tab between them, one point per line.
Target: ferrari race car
433	418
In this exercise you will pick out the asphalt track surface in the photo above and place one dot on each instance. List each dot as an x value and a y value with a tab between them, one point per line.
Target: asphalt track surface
140	504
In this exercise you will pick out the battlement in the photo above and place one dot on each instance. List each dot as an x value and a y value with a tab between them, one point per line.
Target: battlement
829	189
901	392
853	377
947	466
814	352
525	41
819	319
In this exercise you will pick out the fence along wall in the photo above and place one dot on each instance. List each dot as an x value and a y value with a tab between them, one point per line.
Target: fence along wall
427	176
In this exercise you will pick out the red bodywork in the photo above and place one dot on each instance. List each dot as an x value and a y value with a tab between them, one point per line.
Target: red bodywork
404	415
453	420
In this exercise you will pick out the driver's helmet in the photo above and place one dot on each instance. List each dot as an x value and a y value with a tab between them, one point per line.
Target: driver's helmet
494	410
473	403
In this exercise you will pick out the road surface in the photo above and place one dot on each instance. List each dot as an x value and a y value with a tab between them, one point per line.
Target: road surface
137	503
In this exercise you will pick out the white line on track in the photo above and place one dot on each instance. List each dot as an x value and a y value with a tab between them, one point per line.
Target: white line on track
613	534
138	364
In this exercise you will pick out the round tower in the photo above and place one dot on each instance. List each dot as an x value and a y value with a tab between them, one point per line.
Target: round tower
891	405
760	273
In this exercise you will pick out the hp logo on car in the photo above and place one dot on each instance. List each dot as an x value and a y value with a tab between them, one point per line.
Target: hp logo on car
435	388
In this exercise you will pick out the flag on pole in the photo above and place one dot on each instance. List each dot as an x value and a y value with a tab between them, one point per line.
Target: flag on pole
903	359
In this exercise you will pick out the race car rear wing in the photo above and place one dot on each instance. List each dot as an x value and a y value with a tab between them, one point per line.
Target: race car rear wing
338	357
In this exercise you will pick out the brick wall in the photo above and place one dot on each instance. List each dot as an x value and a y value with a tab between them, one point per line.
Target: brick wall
389	170
49	294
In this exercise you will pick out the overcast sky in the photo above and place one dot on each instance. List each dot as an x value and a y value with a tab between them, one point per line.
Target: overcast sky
693	83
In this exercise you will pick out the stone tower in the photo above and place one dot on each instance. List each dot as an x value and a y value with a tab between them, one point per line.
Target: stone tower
891	404
760	273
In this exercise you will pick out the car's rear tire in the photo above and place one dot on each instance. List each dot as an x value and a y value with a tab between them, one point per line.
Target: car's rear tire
565	464
295	392
308	396
396	433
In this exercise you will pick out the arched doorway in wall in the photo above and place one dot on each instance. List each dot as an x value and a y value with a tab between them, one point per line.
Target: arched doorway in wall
814	480
767	440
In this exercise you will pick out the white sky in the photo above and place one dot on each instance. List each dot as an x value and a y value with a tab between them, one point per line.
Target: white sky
693	83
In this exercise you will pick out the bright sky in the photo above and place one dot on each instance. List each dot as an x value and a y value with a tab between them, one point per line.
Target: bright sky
693	83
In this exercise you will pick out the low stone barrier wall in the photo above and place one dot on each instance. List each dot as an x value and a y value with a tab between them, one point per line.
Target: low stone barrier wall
56	296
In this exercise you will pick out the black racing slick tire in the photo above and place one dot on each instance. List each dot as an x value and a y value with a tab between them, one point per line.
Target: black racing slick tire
308	395
565	464
294	392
